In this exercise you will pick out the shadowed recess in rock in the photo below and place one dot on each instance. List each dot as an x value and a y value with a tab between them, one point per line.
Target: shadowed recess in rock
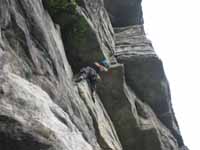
124	12
86	31
13	136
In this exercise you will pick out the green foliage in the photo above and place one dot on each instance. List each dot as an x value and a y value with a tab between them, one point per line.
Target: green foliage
74	26
78	33
58	6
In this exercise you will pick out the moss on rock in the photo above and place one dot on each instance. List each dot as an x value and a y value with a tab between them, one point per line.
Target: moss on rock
55	7
73	25
77	34
79	38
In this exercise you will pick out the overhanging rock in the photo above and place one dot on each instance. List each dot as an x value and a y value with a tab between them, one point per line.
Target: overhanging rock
124	12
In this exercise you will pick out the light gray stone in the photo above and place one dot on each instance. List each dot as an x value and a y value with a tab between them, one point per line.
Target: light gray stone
30	119
145	74
136	124
31	47
42	108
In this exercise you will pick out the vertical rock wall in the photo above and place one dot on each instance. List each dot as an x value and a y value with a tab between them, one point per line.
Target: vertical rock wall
40	105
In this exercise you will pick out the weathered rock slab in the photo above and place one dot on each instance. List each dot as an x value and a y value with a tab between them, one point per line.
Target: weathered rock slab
145	75
136	124
31	120
40	105
86	29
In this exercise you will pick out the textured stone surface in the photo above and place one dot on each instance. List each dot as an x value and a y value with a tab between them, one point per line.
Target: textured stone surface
30	119
136	124
106	134
86	30
124	12
131	41
31	47
145	75
40	105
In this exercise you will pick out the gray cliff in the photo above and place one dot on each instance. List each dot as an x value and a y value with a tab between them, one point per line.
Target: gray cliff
43	45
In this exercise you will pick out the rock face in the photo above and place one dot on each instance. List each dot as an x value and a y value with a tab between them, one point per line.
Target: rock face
86	29
144	74
124	13
44	43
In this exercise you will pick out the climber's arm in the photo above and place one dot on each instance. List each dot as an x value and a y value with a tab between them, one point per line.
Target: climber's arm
98	77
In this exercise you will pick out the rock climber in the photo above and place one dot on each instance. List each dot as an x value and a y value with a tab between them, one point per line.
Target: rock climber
91	73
